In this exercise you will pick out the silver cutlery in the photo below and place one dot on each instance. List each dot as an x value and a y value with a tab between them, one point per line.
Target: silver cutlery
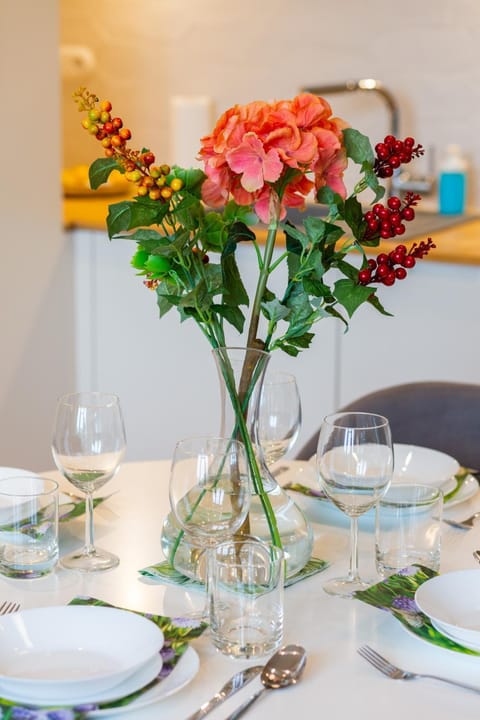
284	668
6	608
466	524
237	682
392	671
476	555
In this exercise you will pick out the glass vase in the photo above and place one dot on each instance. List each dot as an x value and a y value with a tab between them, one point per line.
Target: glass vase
273	516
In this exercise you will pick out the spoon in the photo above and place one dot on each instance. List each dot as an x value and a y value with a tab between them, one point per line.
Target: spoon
284	668
476	555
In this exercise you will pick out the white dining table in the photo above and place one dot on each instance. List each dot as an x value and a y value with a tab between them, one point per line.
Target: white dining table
336	682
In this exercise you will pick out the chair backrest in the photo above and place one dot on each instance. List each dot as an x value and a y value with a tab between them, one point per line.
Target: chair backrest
440	415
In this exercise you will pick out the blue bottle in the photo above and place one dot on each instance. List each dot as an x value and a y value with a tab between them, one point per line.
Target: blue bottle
453	182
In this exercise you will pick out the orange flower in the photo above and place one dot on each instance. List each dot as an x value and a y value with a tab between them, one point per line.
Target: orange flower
252	147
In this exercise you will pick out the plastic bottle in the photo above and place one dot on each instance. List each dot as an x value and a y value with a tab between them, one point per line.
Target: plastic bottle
453	182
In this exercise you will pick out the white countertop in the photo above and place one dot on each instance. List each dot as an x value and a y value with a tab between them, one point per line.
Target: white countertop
337	682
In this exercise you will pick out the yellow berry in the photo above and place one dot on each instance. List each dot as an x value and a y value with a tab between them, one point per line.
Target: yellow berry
176	184
133	176
166	193
154	194
155	172
165	169
86	123
161	181
142	191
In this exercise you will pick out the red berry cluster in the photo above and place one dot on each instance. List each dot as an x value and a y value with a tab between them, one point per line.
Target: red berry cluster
388	268
386	222
391	153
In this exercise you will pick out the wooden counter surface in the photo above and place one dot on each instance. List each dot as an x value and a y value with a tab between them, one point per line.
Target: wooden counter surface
459	244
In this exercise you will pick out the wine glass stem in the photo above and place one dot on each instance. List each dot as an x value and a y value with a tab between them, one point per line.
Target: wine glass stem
208	581
89	548
353	574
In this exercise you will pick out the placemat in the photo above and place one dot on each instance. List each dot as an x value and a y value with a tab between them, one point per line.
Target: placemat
396	595
164	572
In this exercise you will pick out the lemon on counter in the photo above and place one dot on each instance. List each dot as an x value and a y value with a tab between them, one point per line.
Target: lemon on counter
75	183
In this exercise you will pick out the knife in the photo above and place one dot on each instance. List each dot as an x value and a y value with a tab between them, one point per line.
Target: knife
237	682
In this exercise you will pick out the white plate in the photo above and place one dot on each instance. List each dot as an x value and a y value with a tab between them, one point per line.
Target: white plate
442	629
131	684
59	652
452	601
415	464
182	674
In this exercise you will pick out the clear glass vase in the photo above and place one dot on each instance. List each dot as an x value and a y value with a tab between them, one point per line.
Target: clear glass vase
273	516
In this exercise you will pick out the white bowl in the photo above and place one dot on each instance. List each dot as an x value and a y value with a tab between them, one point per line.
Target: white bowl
415	464
452	602
58	652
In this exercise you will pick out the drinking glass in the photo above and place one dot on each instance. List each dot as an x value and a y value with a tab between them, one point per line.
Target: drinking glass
88	446
355	466
279	415
209	493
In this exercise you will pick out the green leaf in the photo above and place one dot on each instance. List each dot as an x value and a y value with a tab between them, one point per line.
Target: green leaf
354	217
99	171
192	178
372	181
375	302
234	289
232	314
358	146
213	233
301	341
189	212
274	310
351	295
239	213
296	239
130	214
118	218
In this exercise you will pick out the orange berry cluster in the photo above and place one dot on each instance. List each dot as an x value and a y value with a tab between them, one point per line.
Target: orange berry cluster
139	168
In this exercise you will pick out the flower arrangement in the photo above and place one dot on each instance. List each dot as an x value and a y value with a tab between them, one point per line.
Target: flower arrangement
260	160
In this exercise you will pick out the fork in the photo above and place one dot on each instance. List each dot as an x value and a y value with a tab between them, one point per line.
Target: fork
392	671
466	524
6	608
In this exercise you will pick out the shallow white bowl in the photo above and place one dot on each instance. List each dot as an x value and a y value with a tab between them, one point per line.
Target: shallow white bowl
56	653
415	464
452	602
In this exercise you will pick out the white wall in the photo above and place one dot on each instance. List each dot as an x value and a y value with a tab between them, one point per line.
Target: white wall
427	53
36	362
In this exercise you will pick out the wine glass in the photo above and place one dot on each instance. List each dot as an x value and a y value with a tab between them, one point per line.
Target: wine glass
279	415
355	465
209	493
88	446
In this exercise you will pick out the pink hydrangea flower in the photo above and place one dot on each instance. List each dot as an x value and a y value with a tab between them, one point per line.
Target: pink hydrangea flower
252	147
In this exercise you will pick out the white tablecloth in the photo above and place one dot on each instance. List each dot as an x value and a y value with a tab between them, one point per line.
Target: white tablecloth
337	682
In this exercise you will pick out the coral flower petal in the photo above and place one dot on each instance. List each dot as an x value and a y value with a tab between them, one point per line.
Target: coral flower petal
256	166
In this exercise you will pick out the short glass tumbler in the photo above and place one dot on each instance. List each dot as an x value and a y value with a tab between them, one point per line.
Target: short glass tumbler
408	528
247	598
28	526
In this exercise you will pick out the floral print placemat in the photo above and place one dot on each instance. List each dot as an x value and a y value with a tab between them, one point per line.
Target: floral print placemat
396	595
164	572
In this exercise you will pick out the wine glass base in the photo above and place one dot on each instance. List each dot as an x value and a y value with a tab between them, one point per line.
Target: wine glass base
92	561
345	587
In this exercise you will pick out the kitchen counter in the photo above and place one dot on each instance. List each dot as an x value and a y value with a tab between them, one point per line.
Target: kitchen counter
459	244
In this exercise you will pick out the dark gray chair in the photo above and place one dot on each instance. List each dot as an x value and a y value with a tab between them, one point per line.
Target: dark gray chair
440	415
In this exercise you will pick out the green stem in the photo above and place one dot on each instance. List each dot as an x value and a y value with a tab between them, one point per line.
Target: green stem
252	340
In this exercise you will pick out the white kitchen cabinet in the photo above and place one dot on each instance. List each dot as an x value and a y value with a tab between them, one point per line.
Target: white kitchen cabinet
434	334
